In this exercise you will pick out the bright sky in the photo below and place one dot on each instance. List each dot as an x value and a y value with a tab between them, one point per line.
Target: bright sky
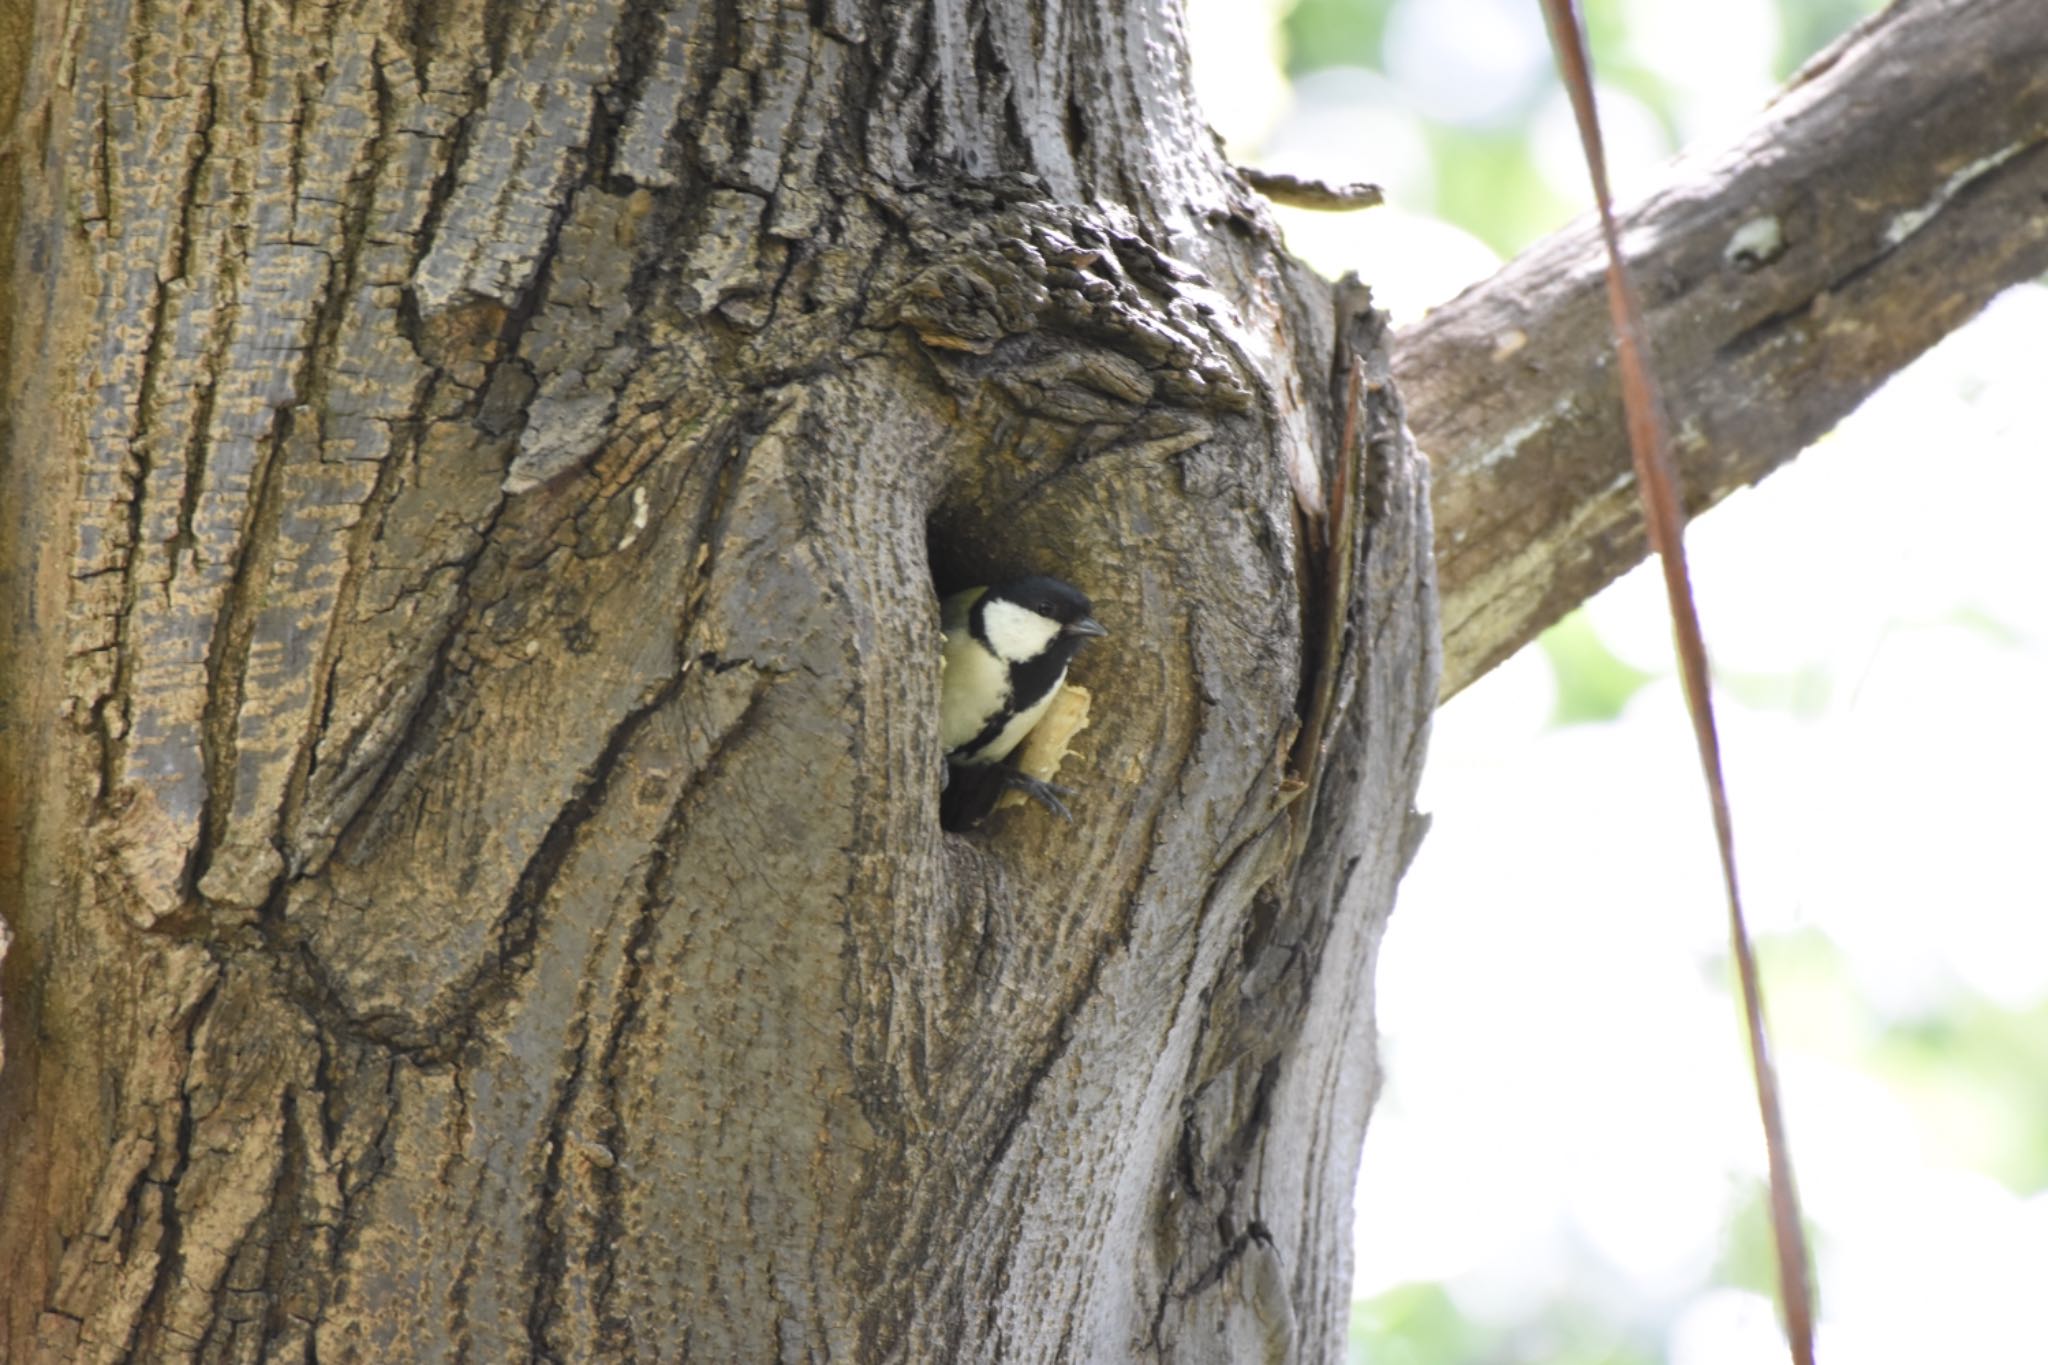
1902	818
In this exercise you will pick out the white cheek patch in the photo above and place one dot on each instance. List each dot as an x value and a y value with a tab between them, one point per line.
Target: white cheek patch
1016	633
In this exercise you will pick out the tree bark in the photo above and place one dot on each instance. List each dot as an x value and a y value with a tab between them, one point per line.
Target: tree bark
1882	200
477	480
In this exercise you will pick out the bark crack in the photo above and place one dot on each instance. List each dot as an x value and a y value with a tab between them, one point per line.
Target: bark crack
637	42
170	1252
519	922
613	1076
227	656
214	355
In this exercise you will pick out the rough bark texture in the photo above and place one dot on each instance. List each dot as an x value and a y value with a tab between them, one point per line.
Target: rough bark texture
474	485
1899	183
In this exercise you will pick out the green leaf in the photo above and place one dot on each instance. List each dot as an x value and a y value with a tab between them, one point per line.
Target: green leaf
1593	684
1323	33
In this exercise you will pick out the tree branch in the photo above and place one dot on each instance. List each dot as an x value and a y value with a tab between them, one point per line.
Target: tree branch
1895	186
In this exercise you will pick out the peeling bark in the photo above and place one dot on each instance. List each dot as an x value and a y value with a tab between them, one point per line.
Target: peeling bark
477	478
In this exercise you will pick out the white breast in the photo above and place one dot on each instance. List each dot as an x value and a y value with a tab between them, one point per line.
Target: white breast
975	686
1012	734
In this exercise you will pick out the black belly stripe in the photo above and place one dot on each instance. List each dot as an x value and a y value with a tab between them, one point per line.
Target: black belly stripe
970	752
1029	682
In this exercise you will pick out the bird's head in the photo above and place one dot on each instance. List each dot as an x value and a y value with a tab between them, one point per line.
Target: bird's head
1020	621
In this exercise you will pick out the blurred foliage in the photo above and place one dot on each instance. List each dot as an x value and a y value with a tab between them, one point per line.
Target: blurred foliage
1420	1324
1415	1324
1326	33
1487	184
1814	1003
1802	692
1593	683
1807	26
1967	1069
1986	625
1749	1260
1972	1076
1964	1071
1323	33
1486	181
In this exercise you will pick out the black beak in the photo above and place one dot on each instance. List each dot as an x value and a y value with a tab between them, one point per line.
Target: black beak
1087	625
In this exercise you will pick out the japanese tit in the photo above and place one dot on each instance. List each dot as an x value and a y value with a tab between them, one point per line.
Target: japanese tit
1006	655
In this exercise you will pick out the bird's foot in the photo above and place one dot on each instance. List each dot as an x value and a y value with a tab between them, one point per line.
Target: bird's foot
1044	793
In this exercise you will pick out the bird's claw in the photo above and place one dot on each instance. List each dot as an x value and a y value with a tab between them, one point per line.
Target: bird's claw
1044	793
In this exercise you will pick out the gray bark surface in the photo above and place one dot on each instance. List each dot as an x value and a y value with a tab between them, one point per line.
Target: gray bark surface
475	479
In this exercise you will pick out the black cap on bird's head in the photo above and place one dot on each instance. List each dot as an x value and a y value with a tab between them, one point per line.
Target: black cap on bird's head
1054	600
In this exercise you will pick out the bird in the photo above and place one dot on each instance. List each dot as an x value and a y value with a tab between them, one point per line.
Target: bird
1007	648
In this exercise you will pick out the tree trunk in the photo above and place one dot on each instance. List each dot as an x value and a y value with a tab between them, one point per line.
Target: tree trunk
477	481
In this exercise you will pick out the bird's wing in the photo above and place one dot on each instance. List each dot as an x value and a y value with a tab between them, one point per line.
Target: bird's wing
953	611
